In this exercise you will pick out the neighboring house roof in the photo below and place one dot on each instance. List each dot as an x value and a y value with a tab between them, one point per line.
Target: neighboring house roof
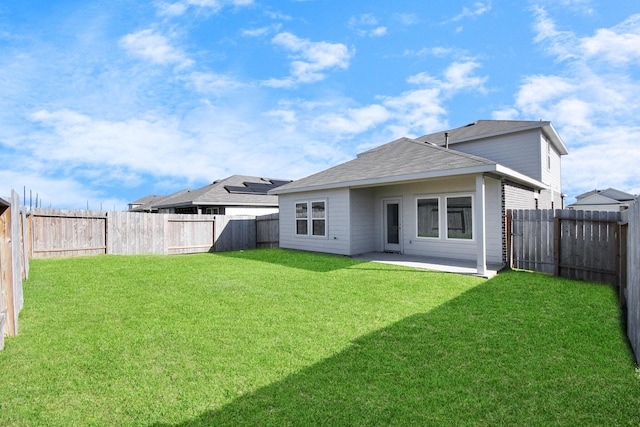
491	128
145	204
595	199
610	193
609	199
404	159
236	190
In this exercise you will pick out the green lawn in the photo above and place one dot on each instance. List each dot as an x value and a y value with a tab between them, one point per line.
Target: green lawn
275	337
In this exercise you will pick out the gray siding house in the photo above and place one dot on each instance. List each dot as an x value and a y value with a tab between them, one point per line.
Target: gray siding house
441	195
603	200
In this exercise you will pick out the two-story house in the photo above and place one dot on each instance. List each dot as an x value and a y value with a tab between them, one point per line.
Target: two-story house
441	195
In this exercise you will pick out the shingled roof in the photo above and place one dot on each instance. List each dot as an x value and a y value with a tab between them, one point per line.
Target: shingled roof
404	159
491	128
236	190
407	159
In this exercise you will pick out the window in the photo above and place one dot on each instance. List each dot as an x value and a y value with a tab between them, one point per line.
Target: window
314	224
459	217
317	219
302	219
428	218
548	155
214	211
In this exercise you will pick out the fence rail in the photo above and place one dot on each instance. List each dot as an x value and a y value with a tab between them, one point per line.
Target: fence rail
57	233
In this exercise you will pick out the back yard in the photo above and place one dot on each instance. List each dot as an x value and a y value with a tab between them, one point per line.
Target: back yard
275	337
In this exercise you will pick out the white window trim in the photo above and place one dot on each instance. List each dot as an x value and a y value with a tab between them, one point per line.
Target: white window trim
439	199
310	219
443	226
473	218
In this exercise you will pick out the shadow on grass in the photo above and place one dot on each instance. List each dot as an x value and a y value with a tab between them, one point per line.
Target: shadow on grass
505	352
290	258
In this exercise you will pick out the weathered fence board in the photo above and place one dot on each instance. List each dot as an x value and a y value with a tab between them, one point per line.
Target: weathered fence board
633	278
59	233
190	233
135	233
235	233
532	240
14	265
268	231
575	244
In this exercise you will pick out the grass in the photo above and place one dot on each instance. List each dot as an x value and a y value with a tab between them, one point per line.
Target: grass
275	337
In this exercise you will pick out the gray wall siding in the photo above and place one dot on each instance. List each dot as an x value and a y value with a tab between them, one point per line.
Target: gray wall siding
518	151
363	228
550	175
337	225
517	196
443	247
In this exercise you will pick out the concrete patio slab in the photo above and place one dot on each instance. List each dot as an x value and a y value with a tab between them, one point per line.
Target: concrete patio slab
430	263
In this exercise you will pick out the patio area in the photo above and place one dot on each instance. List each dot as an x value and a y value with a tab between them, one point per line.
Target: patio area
430	263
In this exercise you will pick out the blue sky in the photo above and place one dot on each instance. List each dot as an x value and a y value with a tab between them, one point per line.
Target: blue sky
102	103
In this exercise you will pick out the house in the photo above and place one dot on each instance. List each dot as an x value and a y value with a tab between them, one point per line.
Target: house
603	200
441	195
235	195
145	204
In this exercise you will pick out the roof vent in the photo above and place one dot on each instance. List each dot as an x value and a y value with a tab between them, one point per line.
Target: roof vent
446	140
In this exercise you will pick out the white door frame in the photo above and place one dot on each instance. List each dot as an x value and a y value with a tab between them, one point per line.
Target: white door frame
386	245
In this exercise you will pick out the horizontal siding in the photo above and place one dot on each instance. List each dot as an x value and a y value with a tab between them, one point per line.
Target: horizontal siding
363	231
517	196
444	248
337	211
515	151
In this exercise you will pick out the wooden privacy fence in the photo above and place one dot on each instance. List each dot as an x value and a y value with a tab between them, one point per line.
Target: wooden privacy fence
268	231
57	233
633	278
14	264
585	245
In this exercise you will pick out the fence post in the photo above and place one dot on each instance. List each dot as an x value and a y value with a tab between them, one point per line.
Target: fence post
556	245
508	226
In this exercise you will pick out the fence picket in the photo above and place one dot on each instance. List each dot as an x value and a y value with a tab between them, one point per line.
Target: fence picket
573	244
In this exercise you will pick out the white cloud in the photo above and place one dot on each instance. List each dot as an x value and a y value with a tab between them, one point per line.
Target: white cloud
212	6
211	83
309	59
406	19
478	9
150	45
593	102
414	112
367	25
55	191
262	31
353	121
606	159
617	46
